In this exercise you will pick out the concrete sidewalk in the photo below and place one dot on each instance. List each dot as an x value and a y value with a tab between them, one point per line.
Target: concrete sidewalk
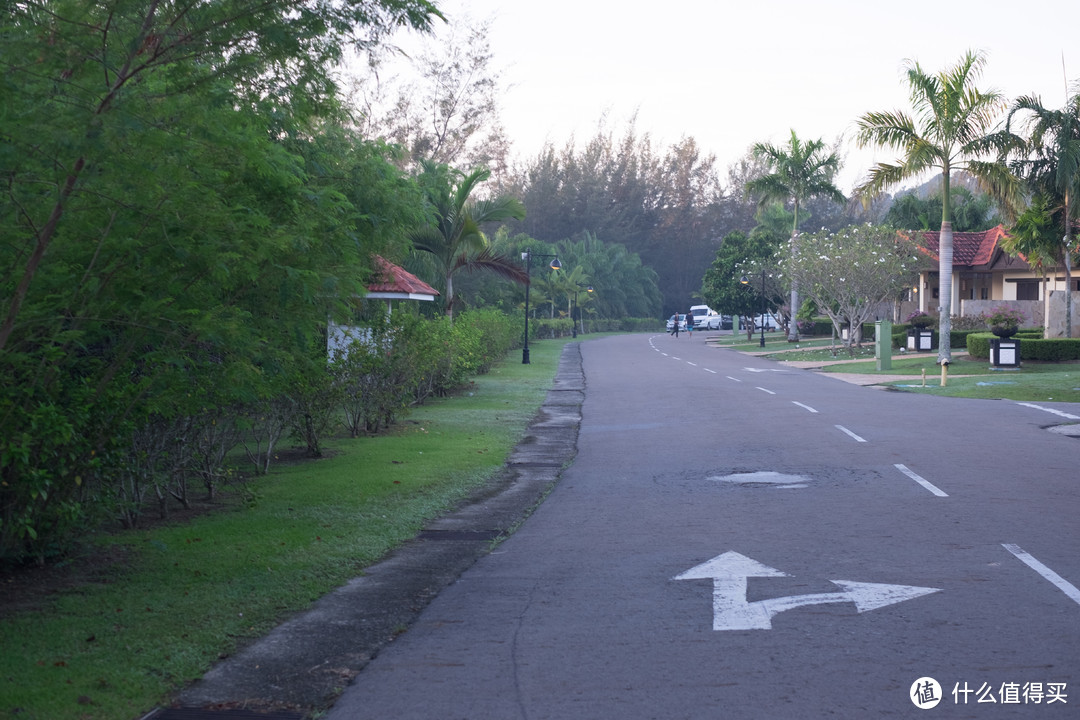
305	663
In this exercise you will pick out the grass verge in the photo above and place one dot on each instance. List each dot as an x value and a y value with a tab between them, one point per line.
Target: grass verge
177	597
1032	382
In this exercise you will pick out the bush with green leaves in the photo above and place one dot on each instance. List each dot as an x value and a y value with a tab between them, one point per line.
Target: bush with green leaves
1038	349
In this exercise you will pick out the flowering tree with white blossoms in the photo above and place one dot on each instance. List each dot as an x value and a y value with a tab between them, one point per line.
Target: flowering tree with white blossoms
849	273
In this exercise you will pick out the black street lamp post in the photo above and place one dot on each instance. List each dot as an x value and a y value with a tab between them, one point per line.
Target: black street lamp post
746	281
574	307
527	256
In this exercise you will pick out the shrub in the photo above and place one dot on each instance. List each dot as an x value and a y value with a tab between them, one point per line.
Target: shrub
1004	316
1051	349
978	345
919	319
1044	350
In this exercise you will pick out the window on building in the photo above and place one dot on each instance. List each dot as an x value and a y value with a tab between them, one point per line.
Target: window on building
1027	290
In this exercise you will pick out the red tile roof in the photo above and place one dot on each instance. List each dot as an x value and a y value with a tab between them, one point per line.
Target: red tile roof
390	278
969	248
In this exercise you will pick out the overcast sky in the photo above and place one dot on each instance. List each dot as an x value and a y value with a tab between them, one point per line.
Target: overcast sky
730	74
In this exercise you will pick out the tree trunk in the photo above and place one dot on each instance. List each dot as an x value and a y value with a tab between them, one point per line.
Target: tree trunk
1068	269
1068	290
793	326
945	280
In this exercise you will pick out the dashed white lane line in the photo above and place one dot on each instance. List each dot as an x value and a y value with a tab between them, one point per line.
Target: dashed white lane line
1067	416
690	363
844	430
805	407
734	378
708	370
922	481
1059	582
764	390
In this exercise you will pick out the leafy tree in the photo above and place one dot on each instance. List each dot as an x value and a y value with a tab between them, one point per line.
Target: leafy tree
741	255
173	230
971	212
797	172
453	236
850	273
447	111
949	131
623	286
1049	161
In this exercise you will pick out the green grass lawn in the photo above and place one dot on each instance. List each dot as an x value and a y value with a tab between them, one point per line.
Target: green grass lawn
1032	382
1056	382
176	597
971	378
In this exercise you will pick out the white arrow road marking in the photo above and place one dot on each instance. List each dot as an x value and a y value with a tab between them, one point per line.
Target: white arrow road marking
731	610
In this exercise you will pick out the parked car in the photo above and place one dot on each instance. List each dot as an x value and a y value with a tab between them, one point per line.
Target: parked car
771	323
705	318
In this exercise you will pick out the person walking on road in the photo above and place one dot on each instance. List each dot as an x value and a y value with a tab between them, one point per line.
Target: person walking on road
675	326
690	324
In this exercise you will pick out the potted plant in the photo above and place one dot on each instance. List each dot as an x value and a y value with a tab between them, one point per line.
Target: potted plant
1004	321
919	319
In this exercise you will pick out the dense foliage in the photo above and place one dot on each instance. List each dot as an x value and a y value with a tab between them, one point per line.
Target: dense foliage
181	211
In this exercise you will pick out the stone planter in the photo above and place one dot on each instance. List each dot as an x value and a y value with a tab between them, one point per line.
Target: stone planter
1005	352
1004	331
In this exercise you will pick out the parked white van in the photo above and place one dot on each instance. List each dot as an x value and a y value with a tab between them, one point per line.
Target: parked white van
705	318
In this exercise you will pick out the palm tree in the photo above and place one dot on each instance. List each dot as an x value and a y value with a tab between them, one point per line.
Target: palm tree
454	238
949	131
1034	235
1049	161
798	171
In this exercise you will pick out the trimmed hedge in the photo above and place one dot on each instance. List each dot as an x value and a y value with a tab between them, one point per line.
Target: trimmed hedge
1031	348
549	328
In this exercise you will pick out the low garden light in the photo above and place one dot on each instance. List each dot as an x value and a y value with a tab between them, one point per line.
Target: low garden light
574	307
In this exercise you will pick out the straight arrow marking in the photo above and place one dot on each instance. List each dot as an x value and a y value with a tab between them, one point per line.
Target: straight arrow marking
731	610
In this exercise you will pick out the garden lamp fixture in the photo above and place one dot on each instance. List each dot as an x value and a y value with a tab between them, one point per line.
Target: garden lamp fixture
527	256
746	281
573	308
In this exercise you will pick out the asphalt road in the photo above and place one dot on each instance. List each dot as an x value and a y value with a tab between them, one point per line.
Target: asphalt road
735	539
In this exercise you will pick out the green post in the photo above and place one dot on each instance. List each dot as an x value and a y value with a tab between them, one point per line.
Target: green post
883	344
